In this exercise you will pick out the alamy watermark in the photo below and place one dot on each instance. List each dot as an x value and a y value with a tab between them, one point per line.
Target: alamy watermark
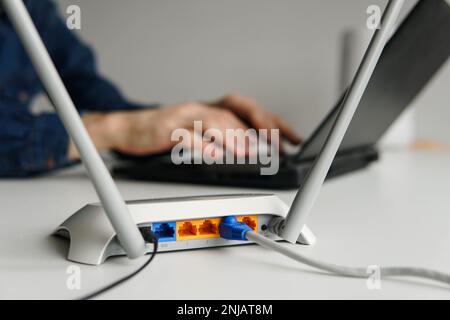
374	20
73	281
238	146
374	280
73	21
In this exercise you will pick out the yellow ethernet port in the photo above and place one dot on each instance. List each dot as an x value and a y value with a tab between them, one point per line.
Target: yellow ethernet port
251	221
186	230
198	229
209	228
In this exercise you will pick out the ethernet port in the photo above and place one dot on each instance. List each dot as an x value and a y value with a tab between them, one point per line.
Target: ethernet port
187	229
250	221
165	231
208	227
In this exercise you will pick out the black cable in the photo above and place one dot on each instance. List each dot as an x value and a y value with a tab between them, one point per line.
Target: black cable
149	237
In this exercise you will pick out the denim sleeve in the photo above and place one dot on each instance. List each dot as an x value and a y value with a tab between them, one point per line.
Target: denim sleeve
31	144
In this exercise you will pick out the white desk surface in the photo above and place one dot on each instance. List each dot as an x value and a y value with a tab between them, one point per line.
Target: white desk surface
395	213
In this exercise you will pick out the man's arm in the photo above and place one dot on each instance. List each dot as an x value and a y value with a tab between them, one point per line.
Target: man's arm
33	144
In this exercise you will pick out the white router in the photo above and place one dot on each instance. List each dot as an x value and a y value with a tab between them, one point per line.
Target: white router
179	224
111	228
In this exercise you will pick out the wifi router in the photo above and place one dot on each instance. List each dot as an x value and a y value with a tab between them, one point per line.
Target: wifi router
115	227
97	231
179	224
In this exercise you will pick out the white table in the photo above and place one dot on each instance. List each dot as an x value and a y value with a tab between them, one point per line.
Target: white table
395	213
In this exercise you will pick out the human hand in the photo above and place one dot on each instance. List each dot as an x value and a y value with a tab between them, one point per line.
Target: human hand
149	131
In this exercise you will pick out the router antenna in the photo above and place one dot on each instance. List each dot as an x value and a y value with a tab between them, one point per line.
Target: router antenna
127	232
293	225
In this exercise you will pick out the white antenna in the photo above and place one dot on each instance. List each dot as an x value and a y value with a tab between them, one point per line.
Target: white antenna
127	232
293	225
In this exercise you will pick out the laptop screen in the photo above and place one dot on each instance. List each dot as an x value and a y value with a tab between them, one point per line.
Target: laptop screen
414	54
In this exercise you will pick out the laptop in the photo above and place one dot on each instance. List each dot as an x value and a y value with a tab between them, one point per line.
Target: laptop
404	69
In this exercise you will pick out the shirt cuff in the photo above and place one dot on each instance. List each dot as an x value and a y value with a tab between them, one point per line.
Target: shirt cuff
48	145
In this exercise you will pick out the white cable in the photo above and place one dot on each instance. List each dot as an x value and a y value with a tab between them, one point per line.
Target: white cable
348	271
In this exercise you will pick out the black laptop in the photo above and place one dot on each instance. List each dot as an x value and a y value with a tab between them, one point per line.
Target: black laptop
417	50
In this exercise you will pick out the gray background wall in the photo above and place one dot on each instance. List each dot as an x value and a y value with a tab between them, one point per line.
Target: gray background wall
285	53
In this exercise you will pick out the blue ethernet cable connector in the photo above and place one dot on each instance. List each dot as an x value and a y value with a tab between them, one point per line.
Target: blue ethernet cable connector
231	229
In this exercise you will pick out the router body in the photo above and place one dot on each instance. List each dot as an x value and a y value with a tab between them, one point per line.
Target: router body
179	223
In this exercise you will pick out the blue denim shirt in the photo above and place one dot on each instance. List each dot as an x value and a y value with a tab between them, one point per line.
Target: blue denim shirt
31	144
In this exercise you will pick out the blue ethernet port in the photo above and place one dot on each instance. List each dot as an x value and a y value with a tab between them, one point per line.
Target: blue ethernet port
165	231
